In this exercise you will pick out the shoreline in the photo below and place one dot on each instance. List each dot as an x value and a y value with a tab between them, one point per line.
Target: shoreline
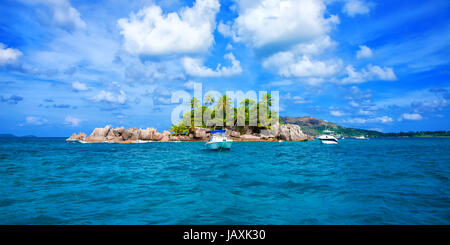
288	132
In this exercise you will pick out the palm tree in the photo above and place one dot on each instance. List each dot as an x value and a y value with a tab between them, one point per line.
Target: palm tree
224	104
194	103
267	99
264	110
246	106
209	100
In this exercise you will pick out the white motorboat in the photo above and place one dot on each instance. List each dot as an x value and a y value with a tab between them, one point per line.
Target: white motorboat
327	137
219	140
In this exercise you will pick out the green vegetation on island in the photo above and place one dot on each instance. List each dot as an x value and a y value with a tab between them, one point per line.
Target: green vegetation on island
223	114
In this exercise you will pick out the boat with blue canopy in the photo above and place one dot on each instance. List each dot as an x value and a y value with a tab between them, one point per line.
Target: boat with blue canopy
218	140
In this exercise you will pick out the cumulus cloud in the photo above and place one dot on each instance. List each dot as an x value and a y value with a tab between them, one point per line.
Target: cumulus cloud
78	86
290	36
355	7
150	32
290	65
8	55
63	13
364	52
369	74
110	97
411	116
194	67
303	61
270	23
72	121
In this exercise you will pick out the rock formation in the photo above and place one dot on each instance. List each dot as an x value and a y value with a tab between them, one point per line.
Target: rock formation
165	136
235	134
200	133
147	134
98	135
288	132
157	136
267	134
77	137
296	133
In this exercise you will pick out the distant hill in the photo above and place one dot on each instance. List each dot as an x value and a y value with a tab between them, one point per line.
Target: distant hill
313	126
7	136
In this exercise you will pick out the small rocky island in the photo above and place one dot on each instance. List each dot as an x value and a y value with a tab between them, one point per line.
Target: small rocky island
287	132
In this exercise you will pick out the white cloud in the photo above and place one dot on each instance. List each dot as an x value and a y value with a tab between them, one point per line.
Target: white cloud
151	32
277	23
364	52
411	116
315	47
194	67
8	55
78	86
289	34
369	74
110	97
36	120
289	65
64	14
355	7
72	121
337	113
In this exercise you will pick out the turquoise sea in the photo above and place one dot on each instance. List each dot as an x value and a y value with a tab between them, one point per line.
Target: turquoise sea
377	181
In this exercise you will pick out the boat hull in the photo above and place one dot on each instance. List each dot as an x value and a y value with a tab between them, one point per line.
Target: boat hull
328	139
219	145
328	142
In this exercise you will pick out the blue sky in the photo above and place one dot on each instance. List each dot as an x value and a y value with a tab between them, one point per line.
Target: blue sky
70	66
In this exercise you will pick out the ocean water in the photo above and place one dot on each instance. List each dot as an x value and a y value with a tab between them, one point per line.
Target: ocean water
378	181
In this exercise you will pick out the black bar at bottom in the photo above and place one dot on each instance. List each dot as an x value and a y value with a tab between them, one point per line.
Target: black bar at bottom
218	234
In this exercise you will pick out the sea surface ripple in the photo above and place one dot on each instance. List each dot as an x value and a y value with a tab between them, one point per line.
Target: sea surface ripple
376	181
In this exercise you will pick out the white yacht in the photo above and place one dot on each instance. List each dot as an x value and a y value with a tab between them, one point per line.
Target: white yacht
219	140
327	137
